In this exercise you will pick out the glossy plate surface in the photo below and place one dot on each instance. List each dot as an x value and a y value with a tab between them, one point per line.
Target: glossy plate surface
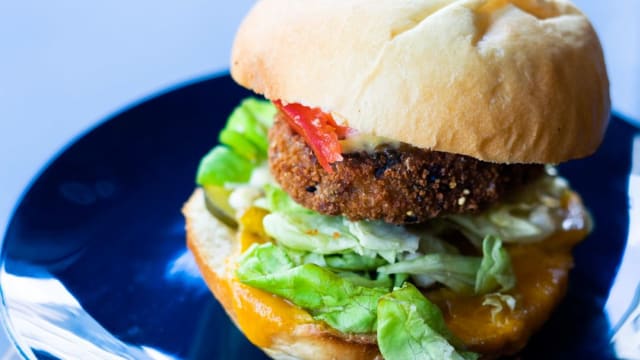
95	264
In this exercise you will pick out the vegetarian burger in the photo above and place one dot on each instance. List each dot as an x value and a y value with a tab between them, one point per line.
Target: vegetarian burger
395	197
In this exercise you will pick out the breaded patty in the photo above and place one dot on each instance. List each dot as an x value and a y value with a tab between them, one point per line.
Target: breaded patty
399	185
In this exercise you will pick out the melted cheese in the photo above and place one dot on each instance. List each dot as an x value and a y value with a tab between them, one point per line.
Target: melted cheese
261	315
251	229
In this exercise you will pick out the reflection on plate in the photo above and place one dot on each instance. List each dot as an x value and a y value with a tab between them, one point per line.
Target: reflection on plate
95	265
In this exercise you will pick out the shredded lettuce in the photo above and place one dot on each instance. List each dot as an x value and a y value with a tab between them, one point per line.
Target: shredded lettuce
463	274
497	301
530	215
333	235
457	272
310	232
301	229
431	241
411	327
347	262
353	262
386	240
495	271
366	244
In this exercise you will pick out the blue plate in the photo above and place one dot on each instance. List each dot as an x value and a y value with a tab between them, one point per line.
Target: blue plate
95	264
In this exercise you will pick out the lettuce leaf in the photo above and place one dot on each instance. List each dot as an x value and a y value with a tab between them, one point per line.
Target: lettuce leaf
385	239
334	235
263	111
456	272
350	302
298	228
277	200
347	262
407	324
310	232
495	271
305	257
411	327
463	274
353	262
247	127
497	301
530	215
367	245
431	239
262	260
341	303
243	145
381	281
221	166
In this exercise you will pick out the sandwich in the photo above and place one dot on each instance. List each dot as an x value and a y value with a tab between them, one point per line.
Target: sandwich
394	194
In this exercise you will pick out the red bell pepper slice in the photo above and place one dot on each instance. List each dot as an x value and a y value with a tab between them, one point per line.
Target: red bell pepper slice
319	131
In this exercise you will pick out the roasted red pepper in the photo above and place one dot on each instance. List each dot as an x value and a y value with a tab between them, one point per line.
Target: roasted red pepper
318	129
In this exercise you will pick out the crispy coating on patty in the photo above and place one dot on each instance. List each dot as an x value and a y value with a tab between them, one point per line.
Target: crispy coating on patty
399	185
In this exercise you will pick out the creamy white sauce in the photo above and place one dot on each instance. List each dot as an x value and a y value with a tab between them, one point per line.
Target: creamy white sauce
365	142
243	196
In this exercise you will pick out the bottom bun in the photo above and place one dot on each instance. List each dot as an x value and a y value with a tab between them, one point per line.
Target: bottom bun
280	329
284	331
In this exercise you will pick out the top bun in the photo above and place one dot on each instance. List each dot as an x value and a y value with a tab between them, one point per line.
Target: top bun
520	81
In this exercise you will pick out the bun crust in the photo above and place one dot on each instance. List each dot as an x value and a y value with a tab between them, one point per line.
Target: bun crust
215	249
519	81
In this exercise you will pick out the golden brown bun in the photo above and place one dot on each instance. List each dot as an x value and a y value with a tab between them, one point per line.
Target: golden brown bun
215	248
286	332
520	81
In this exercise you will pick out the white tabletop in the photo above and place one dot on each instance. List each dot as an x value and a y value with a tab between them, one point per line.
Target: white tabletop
66	65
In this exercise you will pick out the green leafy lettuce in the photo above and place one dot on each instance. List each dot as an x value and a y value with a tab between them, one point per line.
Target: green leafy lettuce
243	145
302	229
247	128
406	323
343	304
454	271
411	327
495	272
221	165
353	262
463	274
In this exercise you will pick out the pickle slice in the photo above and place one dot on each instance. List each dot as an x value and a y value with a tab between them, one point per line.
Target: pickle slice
217	201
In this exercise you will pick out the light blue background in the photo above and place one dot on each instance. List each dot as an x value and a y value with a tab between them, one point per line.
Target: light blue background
65	65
